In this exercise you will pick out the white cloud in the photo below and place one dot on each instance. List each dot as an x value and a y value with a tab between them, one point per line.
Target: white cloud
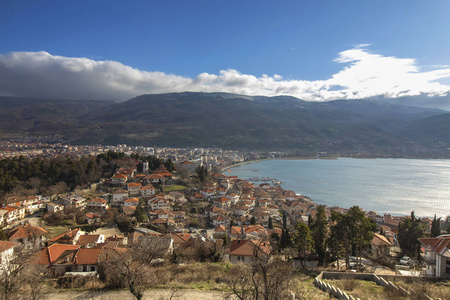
365	74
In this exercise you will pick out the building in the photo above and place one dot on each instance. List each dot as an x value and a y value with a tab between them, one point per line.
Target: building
28	235
246	251
437	255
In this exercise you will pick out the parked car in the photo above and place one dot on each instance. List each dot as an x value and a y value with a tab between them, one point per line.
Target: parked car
405	260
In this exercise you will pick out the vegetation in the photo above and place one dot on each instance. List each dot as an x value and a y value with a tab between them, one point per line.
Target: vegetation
435	227
352	232
319	228
23	176
261	123
408	233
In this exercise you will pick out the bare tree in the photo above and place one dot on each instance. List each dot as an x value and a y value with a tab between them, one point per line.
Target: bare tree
131	267
32	278
266	277
126	271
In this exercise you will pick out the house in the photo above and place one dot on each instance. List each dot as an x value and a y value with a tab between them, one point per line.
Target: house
235	232
97	204
159	203
380	245
131	202
73	201
69	237
119	179
134	188
119	196
165	224
213	211
6	217
14	213
220	220
54	208
180	238
29	236
90	241
246	251
6	252
84	259
48	255
220	230
222	202
437	255
147	190
154	178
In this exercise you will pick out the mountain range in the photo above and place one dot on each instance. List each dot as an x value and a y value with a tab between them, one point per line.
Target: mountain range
233	121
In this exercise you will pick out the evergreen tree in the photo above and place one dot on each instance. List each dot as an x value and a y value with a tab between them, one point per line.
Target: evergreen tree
253	220
284	220
310	221
320	233
270	226
283	239
139	213
288	239
302	240
202	173
408	233
435	227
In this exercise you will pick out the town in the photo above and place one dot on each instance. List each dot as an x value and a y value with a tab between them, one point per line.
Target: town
162	206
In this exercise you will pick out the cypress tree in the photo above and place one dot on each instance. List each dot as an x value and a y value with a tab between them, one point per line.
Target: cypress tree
435	227
270	226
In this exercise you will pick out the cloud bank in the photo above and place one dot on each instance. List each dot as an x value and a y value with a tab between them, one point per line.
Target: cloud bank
364	74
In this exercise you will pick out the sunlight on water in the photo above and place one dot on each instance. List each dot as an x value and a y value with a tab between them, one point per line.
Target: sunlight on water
396	186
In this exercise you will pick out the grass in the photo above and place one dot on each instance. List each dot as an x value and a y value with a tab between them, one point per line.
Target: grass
175	187
360	288
56	230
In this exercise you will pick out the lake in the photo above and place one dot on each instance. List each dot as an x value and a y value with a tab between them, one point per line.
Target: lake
396	186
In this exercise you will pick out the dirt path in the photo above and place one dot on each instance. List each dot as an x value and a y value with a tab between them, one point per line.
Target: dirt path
157	294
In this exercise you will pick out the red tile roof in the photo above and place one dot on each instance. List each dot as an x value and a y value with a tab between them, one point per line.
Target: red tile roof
51	253
26	231
5	245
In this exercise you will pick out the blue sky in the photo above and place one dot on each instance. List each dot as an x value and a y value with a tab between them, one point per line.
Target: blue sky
304	47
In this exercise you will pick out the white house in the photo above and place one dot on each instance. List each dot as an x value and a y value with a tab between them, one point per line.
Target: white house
147	190
6	253
119	196
437	255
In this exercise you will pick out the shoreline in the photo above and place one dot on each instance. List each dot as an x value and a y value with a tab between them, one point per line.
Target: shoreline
397	214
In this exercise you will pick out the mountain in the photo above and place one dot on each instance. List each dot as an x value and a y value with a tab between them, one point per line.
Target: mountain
228	121
423	100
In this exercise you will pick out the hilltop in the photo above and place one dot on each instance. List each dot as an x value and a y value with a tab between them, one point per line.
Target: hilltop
232	121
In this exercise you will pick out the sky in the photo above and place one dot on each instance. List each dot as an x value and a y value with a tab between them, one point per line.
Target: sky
314	50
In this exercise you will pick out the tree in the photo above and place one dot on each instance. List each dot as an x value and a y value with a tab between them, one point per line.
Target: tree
435	227
202	173
270	226
253	220
320	232
265	277
139	213
302	240
409	231
353	231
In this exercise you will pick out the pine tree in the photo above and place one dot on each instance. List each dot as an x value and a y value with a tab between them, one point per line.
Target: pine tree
283	239
435	227
270	226
253	220
320	233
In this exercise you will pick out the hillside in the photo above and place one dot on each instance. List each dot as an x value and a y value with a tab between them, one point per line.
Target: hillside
227	121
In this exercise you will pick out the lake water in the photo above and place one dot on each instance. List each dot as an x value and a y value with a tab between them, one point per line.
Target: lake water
396	186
